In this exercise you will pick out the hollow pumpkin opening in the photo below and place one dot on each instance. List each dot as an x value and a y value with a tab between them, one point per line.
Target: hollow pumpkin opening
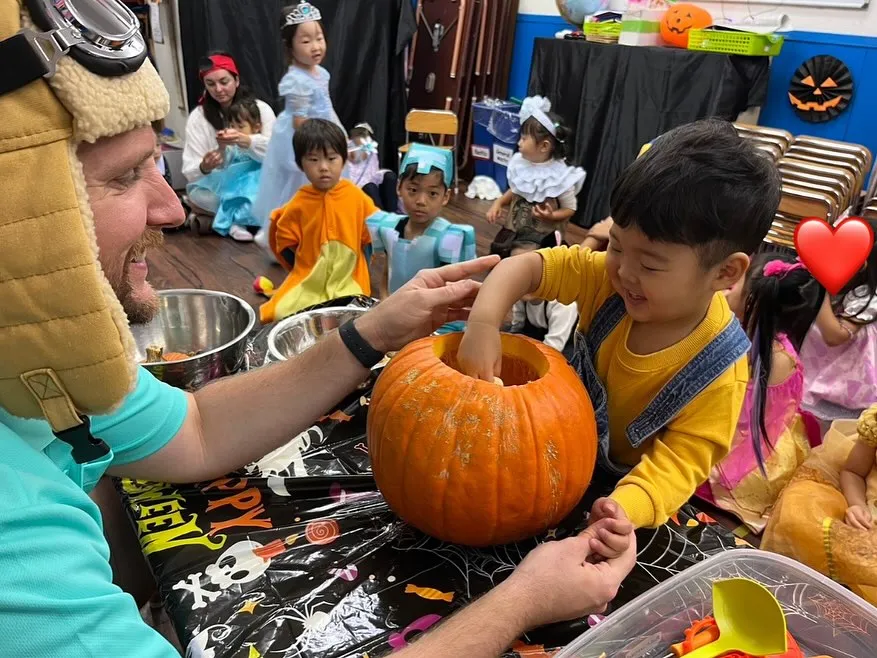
522	362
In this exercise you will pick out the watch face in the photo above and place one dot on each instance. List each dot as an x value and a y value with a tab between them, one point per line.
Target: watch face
821	89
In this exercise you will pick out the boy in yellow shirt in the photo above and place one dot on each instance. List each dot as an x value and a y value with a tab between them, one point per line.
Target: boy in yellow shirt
660	352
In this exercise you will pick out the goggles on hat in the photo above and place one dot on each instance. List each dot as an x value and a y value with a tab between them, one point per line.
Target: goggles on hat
102	35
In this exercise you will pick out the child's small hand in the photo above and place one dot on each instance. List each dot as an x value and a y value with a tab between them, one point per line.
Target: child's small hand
480	352
859	516
494	213
210	161
610	527
610	538
606	508
543	211
600	230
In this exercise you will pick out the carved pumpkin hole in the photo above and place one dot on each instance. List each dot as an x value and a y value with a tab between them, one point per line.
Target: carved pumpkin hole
522	363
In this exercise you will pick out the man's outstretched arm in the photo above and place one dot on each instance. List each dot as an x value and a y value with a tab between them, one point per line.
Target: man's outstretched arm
556	582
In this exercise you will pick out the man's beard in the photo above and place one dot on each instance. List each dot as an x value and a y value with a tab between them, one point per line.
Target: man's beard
139	311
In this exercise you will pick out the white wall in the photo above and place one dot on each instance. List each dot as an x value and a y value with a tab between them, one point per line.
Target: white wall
169	61
809	19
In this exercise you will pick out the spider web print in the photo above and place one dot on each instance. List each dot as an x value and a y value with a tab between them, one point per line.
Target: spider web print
486	563
669	551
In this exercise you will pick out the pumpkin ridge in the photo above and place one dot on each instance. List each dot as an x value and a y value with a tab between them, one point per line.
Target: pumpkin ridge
394	391
409	439
446	491
548	400
543	501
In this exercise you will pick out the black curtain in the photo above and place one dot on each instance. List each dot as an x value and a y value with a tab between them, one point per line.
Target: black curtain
617	98
366	46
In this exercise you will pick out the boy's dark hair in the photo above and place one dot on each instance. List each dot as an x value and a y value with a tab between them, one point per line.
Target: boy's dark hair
287	32
245	110
559	144
785	303
319	135
213	112
866	277
410	173
703	186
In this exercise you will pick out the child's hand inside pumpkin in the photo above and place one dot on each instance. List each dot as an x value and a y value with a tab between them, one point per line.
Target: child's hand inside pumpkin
611	531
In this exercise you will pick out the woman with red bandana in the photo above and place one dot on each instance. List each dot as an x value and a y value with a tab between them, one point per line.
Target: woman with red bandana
208	129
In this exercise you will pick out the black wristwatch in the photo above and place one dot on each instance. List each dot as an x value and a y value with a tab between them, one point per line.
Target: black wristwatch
367	355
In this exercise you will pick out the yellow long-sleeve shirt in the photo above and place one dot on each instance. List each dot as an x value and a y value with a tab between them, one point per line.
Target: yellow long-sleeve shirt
669	466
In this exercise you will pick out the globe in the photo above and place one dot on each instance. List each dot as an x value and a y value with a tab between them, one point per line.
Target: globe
575	11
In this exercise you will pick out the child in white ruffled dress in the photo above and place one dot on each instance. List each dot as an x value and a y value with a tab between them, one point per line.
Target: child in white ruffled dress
542	187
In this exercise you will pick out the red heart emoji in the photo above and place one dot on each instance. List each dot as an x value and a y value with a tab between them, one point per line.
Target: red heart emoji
834	255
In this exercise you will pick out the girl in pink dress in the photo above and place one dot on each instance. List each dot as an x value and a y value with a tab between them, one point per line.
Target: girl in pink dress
777	302
840	352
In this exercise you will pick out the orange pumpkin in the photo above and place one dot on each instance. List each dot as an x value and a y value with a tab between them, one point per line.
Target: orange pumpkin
681	18
475	463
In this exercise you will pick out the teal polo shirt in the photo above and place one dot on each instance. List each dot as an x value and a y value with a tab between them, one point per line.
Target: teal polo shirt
57	597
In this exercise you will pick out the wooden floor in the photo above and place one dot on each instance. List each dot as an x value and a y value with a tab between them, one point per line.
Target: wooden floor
216	263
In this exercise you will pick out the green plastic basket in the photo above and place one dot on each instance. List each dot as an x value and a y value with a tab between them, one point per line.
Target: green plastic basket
605	29
735	43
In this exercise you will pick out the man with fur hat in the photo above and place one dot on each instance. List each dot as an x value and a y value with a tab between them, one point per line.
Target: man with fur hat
83	203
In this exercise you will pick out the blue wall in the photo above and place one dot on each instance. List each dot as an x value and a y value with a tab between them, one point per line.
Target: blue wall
528	28
859	122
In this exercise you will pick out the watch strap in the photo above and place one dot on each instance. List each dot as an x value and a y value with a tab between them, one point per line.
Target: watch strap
367	355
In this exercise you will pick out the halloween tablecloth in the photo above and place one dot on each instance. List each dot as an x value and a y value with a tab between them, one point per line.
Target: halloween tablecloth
298	556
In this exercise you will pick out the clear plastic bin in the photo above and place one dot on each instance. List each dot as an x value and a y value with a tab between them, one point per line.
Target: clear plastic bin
821	615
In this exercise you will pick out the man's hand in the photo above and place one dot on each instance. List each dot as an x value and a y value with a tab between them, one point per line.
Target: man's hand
233	137
480	353
859	516
556	582
422	305
210	161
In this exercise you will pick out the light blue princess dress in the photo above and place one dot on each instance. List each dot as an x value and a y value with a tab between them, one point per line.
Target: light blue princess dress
307	97
229	191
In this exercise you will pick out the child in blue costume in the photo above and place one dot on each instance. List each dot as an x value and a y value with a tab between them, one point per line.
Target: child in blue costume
306	90
230	190
422	239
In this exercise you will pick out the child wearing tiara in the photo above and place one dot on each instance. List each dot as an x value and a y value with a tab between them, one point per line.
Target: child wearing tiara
542	186
364	169
305	88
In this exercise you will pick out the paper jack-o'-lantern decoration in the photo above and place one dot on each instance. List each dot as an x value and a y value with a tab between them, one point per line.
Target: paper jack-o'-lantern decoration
481	463
679	19
821	89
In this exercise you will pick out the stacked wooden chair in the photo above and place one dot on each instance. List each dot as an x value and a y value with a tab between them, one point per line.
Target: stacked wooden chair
820	177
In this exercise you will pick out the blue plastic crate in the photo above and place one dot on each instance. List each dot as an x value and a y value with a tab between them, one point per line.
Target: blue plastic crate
495	138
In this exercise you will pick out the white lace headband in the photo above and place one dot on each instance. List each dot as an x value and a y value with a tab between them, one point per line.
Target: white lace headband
537	107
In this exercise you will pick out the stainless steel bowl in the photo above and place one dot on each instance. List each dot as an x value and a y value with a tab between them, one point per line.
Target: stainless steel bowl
213	324
298	333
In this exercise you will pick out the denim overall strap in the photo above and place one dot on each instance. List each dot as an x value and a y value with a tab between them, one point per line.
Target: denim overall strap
689	382
583	359
605	320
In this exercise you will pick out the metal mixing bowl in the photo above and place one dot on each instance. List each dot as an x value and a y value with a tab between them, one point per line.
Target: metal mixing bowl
298	333
213	324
